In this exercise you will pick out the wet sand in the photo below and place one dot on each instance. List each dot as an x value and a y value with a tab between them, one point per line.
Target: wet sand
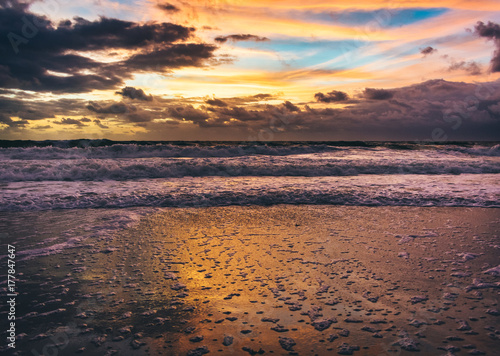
300	280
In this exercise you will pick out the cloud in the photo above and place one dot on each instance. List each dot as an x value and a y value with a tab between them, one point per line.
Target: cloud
168	7
411	112
100	124
427	50
75	122
134	93
30	108
464	110
235	38
41	127
6	120
331	97
291	107
216	102
40	55
262	96
491	31
113	108
377	94
471	67
189	113
171	57
140	114
240	100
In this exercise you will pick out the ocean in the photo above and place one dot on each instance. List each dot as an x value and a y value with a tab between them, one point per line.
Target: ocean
105	187
82	174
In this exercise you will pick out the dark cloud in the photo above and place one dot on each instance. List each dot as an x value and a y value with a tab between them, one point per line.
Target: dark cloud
377	94
75	122
41	127
411	112
250	99
140	114
216	102
188	113
40	55
168	7
427	50
172	57
291	107
240	100
113	108
491	31
32	109
463	110
6	120
134	93
262	96
470	67
331	97
237	113
235	38
100	124
138	117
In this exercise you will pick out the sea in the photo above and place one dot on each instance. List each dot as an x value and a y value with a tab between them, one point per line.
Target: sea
80	174
134	178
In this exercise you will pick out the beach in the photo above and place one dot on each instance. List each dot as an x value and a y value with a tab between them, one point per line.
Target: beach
282	279
188	178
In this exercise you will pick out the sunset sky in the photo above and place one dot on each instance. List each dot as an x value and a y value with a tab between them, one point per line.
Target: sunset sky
250	70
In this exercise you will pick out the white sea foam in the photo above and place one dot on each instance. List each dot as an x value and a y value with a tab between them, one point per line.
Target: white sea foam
133	150
140	178
102	224
336	163
96	174
482	190
62	150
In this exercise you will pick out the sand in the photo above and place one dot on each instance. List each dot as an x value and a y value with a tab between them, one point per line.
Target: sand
298	280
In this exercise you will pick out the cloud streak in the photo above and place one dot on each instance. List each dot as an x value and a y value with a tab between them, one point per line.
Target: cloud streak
74	122
241	37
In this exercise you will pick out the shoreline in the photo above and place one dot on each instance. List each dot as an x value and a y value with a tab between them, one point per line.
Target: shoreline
374	271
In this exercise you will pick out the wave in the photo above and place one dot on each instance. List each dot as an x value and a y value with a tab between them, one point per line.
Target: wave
491	151
159	151
380	190
307	166
102	149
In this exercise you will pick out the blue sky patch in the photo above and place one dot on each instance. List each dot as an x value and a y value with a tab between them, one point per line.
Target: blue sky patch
386	18
306	53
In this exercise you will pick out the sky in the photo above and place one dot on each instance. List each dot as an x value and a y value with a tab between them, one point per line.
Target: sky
257	70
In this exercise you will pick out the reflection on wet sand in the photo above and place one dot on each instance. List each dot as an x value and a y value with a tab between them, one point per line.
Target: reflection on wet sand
300	280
